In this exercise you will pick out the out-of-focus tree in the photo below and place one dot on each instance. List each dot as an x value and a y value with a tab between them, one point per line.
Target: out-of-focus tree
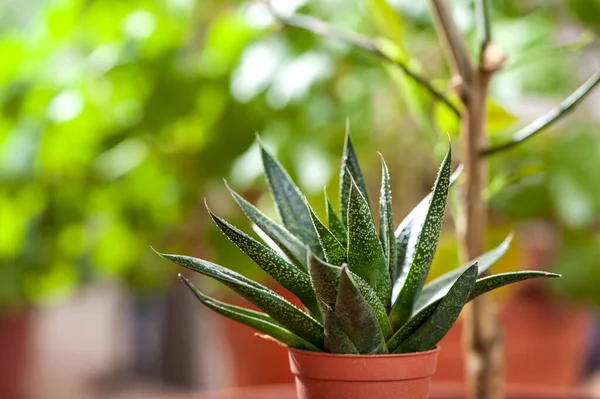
118	117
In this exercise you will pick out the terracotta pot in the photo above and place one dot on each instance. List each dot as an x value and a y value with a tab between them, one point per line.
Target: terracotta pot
331	376
14	349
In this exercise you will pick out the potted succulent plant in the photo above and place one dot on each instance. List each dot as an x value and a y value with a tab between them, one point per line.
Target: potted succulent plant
371	325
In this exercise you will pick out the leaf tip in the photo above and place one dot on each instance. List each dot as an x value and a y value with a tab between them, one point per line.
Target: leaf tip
156	252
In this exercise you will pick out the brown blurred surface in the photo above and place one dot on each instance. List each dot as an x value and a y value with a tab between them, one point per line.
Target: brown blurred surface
439	391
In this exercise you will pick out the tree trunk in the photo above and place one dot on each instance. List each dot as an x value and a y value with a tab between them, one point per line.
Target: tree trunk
481	331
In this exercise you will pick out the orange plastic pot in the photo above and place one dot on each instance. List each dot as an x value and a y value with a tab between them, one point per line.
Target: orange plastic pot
331	376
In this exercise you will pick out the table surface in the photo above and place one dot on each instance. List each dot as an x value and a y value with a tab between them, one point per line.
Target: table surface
439	391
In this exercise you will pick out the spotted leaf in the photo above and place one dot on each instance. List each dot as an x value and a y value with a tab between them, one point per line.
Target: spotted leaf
283	312
365	254
257	320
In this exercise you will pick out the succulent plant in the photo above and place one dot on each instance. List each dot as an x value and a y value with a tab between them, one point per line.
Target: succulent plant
363	290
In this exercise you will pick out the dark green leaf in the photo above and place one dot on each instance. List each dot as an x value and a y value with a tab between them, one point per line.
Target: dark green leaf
336	338
398	274
440	286
335	224
443	318
411	226
289	202
289	276
489	283
357	317
257	320
411	326
286	241
425	247
283	312
365	254
371	297
386	220
326	280
350	171
334	252
481	287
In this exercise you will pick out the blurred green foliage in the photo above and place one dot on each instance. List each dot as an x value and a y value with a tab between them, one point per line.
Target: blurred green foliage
118	117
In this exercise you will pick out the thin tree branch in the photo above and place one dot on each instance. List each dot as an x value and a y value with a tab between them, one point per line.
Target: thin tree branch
454	43
484	33
547	120
322	28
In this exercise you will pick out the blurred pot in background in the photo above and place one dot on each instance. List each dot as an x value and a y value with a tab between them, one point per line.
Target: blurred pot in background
15	347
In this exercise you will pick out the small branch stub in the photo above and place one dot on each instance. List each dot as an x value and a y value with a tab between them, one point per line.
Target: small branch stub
492	58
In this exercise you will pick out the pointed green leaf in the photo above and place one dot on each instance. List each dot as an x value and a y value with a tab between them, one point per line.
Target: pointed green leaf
444	316
257	320
326	280
334	252
283	312
357	317
398	274
411	326
336	338
365	254
481	287
289	276
386	220
289	202
350	171
411	226
425	248
371	297
289	244
489	283
440	286
335	224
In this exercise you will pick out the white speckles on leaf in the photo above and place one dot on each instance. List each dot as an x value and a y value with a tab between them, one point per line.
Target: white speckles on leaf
357	317
290	203
289	244
349	171
283	312
365	254
425	247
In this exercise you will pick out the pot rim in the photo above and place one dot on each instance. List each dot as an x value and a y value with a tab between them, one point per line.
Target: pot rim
351	356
